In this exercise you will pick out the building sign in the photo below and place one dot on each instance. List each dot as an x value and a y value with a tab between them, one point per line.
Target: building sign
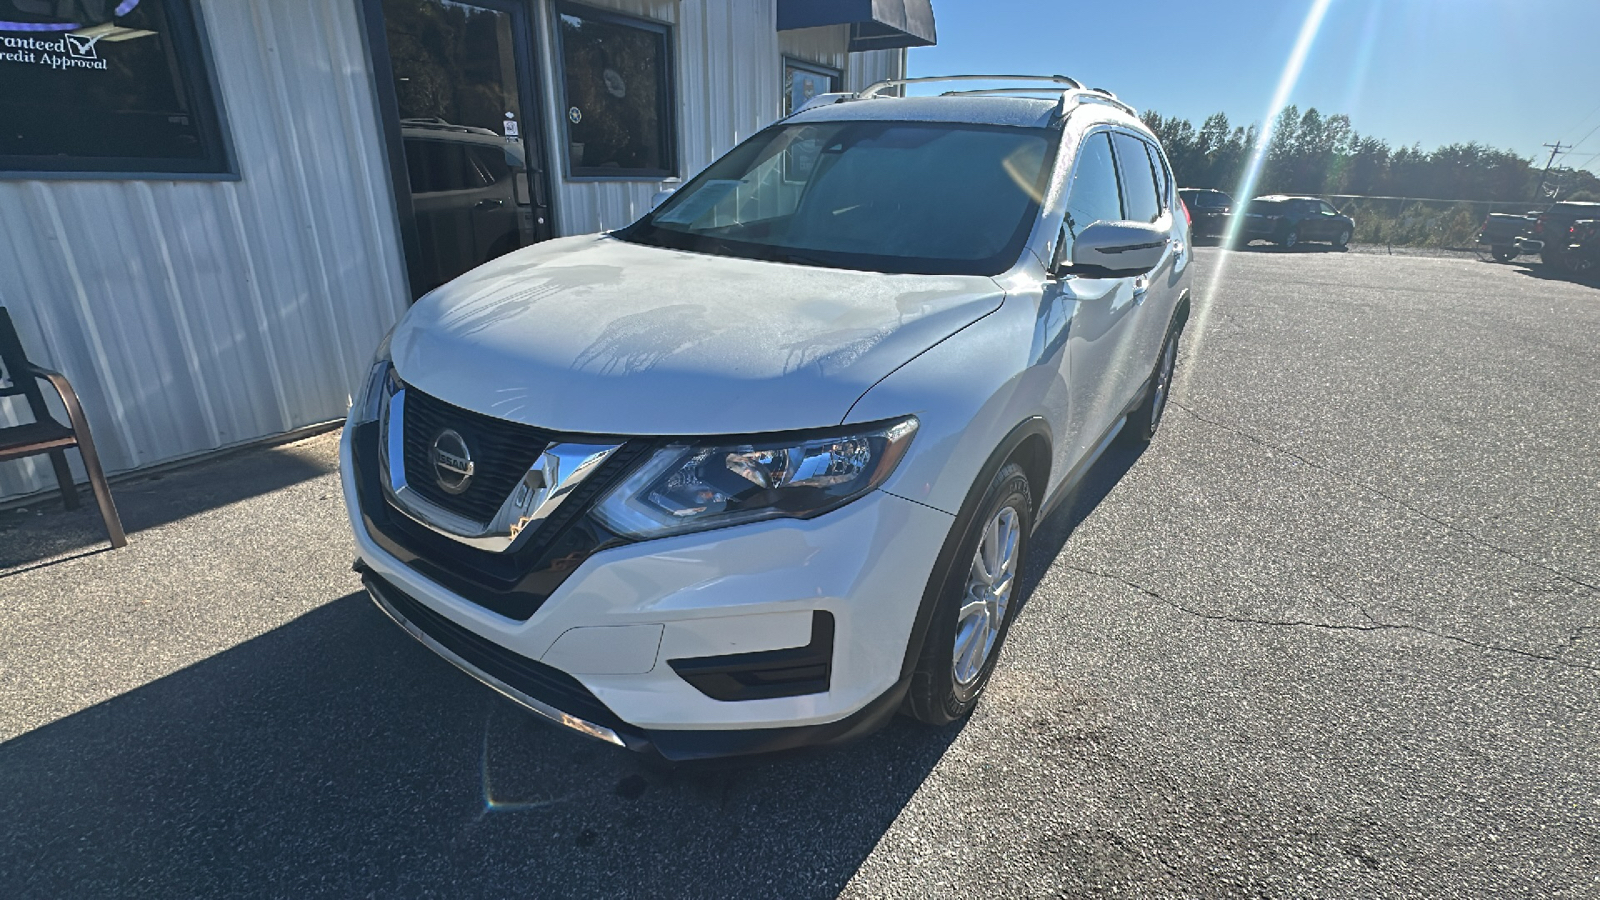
101	86
70	51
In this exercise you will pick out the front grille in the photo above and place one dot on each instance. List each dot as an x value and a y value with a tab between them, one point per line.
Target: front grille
514	583
535	679
502	453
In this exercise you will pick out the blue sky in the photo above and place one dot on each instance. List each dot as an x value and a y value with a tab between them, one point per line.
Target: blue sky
1408	71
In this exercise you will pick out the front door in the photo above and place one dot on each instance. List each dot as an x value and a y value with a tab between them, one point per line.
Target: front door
470	181
1102	352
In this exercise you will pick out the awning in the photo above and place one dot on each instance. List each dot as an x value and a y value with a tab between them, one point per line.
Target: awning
874	24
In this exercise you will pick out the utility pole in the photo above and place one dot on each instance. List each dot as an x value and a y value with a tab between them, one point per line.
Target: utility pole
1555	150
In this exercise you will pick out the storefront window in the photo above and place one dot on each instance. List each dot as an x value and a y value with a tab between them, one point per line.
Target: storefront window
105	86
619	98
802	81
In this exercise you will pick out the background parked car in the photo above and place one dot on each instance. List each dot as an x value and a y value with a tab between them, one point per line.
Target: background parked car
1208	209
1501	231
1582	255
470	194
1550	234
1289	221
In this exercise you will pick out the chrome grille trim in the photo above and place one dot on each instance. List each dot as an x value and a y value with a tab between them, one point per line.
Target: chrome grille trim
557	472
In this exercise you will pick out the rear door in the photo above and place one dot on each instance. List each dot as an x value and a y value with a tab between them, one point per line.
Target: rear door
1313	225
1147	198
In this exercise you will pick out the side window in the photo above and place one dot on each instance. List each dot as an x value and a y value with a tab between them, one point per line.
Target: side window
435	166
1093	196
1163	175
1328	210
1138	180
492	164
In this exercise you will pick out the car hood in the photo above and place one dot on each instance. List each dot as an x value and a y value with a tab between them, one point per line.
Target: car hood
596	335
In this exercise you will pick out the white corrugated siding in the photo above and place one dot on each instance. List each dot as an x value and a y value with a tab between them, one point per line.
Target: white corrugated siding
195	315
729	57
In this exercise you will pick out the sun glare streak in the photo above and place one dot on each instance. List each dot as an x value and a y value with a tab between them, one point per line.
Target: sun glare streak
1252	173
490	804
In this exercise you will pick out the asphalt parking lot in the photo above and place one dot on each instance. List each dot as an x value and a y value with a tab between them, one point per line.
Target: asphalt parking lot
1335	634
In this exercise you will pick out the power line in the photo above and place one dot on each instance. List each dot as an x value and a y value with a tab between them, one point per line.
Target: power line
1582	139
1584	119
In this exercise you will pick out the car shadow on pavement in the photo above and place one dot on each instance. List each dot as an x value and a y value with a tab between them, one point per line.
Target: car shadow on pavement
1547	273
44	532
336	756
1052	533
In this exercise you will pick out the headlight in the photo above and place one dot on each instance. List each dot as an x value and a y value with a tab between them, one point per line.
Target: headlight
365	405
691	488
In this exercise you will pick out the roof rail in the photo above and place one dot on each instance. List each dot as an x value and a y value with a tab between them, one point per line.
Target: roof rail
1069	99
873	90
1074	95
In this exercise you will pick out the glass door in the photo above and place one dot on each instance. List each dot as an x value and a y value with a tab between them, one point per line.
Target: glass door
463	104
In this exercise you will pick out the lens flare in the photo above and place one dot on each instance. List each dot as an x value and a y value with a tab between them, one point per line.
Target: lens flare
1252	173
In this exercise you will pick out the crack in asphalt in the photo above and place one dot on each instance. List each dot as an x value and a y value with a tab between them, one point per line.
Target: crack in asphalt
1327	626
1347	479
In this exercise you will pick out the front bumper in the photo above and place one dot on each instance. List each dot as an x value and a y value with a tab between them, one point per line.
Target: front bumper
599	654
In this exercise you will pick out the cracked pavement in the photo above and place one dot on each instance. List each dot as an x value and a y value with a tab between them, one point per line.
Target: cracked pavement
1335	634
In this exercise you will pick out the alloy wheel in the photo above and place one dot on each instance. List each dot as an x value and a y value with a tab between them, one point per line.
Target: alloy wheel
988	596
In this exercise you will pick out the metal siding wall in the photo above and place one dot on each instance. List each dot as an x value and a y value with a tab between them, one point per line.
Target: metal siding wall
874	65
729	57
195	315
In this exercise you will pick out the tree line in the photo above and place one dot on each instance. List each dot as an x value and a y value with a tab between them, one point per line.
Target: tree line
1310	153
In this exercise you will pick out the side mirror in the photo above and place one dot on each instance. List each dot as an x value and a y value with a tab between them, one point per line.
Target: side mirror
1118	249
660	198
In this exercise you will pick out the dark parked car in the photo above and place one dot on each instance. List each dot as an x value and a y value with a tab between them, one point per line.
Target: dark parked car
1208	209
1550	235
1501	233
469	192
1582	255
1288	221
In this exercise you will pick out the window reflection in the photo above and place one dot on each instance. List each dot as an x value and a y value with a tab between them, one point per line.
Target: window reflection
618	95
97	86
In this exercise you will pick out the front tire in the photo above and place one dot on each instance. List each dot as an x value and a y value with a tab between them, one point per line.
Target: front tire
1503	254
1342	242
975	604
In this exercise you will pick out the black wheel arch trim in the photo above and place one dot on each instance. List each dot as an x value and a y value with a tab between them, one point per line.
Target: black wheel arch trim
1034	426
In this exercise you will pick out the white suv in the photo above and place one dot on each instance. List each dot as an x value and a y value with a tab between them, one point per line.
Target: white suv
761	469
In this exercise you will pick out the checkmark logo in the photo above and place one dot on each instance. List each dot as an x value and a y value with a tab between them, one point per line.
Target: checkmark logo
82	47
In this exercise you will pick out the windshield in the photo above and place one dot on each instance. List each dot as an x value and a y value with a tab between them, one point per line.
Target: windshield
909	197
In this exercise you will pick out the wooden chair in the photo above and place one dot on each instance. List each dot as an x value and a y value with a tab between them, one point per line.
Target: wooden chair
44	434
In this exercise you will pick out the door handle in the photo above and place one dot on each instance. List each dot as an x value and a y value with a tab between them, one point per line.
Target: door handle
1141	287
488	204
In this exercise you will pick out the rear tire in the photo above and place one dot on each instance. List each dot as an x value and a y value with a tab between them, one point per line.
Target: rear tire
1503	254
974	612
1145	420
1291	238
